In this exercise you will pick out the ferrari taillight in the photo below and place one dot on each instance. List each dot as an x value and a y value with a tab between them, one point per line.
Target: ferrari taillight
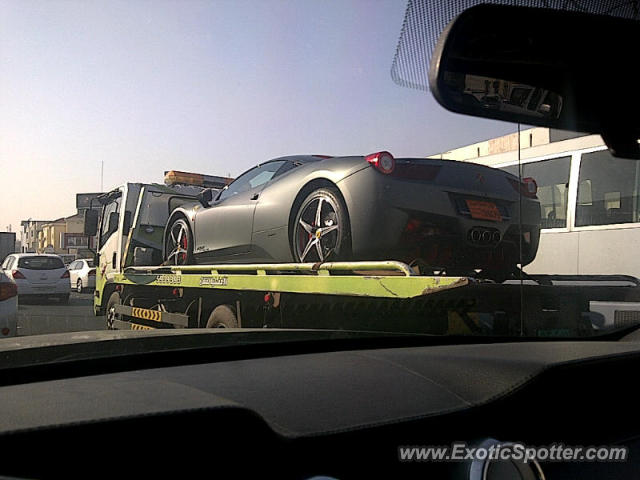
382	161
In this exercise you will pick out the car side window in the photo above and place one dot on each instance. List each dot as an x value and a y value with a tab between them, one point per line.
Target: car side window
253	178
288	165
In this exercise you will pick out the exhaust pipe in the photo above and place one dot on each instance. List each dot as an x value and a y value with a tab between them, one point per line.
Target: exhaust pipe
484	236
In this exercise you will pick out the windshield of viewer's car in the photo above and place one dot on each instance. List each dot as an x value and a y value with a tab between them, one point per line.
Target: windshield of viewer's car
348	198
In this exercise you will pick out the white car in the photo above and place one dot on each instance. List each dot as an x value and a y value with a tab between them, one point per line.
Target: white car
82	275
38	275
8	307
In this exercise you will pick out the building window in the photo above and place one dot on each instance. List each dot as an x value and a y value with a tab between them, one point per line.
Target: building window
607	190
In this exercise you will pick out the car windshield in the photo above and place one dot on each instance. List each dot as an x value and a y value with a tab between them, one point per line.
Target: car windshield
124	124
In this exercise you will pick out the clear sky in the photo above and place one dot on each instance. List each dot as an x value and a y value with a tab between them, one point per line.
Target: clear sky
205	86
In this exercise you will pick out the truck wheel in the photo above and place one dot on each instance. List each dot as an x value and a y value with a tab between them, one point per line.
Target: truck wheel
321	230
223	316
114	300
178	243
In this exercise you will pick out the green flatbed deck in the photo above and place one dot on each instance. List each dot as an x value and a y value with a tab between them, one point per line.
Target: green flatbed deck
358	279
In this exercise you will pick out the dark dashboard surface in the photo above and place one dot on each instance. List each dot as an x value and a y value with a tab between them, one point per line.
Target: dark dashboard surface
341	413
369	386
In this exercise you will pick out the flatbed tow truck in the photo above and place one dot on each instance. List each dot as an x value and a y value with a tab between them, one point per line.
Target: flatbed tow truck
137	292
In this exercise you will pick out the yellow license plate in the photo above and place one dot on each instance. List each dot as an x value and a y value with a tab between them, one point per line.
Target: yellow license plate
482	210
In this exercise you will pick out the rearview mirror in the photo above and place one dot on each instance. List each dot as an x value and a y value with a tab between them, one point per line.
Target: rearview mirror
551	68
91	222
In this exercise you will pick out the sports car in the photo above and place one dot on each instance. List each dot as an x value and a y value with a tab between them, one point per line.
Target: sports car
315	208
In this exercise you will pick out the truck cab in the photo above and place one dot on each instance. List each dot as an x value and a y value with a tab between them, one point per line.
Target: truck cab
131	220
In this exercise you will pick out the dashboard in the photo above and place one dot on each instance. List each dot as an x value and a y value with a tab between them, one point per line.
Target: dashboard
340	413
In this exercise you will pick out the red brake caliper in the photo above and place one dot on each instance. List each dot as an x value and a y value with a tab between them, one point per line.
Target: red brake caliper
184	246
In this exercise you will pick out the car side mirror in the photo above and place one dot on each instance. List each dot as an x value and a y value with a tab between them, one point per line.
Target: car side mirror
205	197
91	222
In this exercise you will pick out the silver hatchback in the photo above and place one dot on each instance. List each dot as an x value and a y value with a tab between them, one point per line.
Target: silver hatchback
38	275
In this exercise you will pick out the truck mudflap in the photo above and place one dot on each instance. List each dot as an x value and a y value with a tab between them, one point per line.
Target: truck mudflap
124	317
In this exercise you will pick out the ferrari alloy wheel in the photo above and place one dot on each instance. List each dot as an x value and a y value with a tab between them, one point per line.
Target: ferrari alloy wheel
321	228
178	243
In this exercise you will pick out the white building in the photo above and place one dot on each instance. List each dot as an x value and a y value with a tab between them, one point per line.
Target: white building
590	200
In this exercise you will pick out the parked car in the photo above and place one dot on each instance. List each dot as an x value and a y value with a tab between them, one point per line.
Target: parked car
82	275
448	215
38	275
67	258
8	306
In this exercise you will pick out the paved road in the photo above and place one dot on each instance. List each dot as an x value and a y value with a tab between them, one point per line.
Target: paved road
48	316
